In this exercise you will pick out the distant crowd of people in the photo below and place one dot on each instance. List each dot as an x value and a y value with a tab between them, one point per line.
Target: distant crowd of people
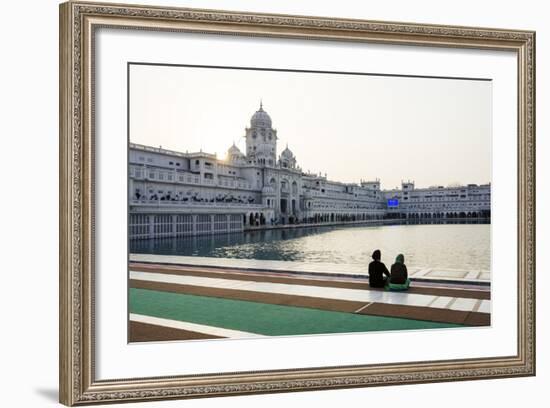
396	278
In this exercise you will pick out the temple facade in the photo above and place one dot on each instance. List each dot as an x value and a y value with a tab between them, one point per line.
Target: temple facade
176	194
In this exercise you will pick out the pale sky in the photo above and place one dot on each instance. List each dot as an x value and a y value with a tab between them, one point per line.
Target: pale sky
352	127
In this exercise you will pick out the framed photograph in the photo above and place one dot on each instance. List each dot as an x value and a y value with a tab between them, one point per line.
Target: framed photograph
255	203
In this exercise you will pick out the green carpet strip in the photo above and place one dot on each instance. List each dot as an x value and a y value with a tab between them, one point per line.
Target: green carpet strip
261	318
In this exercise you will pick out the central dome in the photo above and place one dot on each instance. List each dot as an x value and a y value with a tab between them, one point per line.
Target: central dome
260	118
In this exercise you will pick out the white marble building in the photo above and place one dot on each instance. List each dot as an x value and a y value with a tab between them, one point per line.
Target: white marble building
470	201
174	193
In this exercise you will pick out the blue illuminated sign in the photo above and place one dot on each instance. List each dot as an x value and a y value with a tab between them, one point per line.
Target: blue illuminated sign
394	202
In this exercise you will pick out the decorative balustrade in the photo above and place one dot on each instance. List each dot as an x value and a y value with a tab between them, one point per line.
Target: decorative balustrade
191	203
185	177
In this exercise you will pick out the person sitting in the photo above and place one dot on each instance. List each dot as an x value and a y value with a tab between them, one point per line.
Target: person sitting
378	273
399	278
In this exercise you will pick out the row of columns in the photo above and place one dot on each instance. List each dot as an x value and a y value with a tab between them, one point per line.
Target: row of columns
194	223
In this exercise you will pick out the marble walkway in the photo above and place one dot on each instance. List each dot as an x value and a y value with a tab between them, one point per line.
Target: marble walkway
467	276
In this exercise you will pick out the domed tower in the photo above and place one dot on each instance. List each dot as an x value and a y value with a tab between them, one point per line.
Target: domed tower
287	159
261	139
235	156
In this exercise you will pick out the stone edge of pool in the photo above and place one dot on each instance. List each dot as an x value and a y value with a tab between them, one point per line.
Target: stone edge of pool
471	277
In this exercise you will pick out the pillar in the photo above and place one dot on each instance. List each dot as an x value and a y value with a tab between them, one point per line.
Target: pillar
151	225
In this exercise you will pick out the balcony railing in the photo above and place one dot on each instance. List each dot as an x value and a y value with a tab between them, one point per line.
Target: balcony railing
191	203
187	177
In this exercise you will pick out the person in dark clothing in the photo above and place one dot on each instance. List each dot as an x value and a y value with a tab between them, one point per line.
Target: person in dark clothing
378	273
399	278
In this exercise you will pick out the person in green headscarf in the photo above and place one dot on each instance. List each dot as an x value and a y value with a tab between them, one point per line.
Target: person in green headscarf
399	278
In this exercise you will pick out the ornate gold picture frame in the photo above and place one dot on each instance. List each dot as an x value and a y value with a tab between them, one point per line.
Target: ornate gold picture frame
79	22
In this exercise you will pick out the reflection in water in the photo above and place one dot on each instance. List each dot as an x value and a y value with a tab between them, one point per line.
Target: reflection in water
459	246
